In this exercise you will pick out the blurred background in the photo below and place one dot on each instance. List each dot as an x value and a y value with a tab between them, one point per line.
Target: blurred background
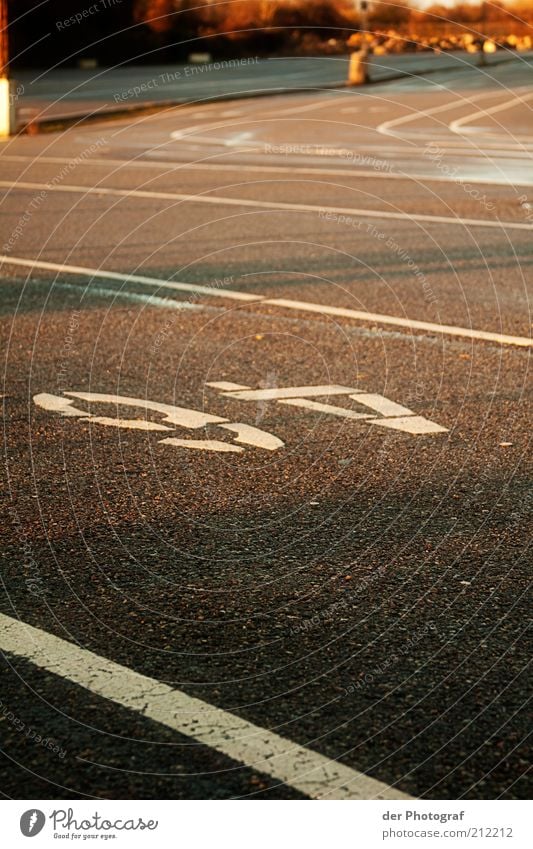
161	31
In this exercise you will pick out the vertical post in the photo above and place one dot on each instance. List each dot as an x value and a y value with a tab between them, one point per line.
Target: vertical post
482	27
7	107
358	70
4	48
363	14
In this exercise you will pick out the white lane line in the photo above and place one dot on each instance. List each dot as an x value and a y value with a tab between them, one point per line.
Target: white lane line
125	278
288	304
303	306
288	392
257	748
410	323
171	165
217	200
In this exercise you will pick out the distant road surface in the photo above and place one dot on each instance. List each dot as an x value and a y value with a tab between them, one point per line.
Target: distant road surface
72	92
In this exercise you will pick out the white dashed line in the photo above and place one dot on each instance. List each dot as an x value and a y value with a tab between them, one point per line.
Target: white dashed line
308	772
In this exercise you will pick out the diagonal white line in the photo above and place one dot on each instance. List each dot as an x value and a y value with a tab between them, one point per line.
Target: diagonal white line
216	200
258	748
300	306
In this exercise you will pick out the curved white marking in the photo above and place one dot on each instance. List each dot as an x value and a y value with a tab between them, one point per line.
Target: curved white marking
386	126
58	404
180	416
458	126
254	436
175	415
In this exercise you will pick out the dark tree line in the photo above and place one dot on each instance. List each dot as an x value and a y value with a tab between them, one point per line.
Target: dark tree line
159	31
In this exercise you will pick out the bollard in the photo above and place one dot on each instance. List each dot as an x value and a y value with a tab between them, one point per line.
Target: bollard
358	70
7	107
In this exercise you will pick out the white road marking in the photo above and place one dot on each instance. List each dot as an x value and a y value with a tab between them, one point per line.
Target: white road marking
318	407
125	278
458	126
380	404
129	424
306	107
137	297
410	323
312	774
301	306
218	200
254	436
226	385
397	416
242	139
58	404
288	392
171	165
415	115
416	425
181	416
237	139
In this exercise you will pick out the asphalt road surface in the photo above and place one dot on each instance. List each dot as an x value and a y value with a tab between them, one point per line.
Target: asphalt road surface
266	384
66	93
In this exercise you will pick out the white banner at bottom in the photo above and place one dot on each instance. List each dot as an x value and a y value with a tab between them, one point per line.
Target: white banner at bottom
266	825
